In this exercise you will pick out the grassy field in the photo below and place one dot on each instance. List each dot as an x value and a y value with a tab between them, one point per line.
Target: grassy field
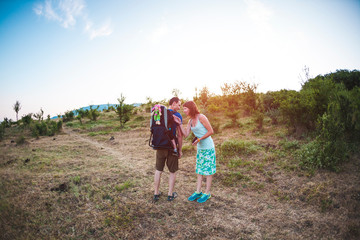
95	181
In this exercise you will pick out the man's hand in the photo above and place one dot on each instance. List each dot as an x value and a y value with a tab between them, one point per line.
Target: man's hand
177	120
180	154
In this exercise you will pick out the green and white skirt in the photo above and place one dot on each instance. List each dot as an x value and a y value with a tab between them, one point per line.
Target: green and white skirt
206	161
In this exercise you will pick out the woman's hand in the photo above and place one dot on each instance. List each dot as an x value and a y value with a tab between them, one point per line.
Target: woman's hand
194	143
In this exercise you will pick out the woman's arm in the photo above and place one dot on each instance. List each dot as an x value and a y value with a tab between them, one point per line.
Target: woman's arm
184	132
203	119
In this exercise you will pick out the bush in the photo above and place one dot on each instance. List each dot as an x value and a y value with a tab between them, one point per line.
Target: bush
46	128
26	119
68	117
123	111
259	119
328	149
20	140
274	115
93	114
2	131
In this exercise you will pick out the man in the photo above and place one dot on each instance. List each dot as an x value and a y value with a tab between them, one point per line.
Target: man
167	156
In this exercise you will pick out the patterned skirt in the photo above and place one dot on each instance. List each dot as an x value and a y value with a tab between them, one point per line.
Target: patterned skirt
206	161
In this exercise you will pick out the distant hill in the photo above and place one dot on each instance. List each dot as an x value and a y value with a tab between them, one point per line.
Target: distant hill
102	107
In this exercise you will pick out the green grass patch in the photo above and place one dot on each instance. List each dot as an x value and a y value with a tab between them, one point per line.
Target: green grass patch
234	178
238	147
126	185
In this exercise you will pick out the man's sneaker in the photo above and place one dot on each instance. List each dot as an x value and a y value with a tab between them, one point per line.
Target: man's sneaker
204	198
195	196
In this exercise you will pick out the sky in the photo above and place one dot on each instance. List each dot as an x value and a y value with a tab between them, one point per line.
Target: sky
60	55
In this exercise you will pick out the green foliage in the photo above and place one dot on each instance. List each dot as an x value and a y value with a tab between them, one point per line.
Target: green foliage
26	119
237	147
92	113
17	107
40	115
328	149
233	115
6	123
123	111
296	108
45	128
350	79
203	97
124	186
274	115
259	119
240	96
232	178
81	113
345	108
148	105
20	140
2	131
68	116
289	145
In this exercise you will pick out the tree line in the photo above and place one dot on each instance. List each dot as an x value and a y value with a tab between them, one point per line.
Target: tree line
325	111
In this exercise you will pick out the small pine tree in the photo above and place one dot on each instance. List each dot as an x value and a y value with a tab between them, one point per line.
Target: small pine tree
123	111
17	107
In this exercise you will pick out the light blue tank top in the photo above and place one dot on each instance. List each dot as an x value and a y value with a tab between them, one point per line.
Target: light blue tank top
199	130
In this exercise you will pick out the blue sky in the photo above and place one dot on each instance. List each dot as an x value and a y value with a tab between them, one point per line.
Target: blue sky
65	54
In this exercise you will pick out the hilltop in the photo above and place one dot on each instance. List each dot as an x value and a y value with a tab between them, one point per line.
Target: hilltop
95	181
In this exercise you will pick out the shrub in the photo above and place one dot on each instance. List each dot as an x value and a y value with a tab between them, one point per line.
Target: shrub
350	79
46	128
26	119
68	117
274	115
20	140
80	114
259	119
2	131
328	149
6	123
123	111
93	114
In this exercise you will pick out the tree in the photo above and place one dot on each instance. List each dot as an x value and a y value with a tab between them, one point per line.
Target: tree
17	107
123	110
93	113
81	114
176	92
40	115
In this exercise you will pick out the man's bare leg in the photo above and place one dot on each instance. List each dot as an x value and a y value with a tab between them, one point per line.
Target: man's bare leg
157	179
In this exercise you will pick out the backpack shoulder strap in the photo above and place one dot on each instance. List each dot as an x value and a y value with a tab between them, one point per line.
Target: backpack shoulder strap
165	117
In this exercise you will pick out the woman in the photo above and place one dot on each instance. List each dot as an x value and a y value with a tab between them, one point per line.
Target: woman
205	157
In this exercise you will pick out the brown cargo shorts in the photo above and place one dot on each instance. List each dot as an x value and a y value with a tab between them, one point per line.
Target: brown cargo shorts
165	156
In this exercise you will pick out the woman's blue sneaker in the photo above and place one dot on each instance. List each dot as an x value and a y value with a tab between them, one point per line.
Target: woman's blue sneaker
195	196
204	198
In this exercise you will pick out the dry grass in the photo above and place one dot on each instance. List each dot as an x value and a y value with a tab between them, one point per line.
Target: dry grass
81	186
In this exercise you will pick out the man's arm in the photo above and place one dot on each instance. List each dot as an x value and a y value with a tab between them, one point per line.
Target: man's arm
180	141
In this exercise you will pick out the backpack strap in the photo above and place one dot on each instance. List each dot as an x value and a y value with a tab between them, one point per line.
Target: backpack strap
166	118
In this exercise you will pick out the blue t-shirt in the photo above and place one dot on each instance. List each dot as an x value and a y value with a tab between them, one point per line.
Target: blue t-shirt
173	126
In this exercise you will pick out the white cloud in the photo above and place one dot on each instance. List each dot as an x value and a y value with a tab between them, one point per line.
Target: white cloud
159	33
64	12
104	30
259	13
67	13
